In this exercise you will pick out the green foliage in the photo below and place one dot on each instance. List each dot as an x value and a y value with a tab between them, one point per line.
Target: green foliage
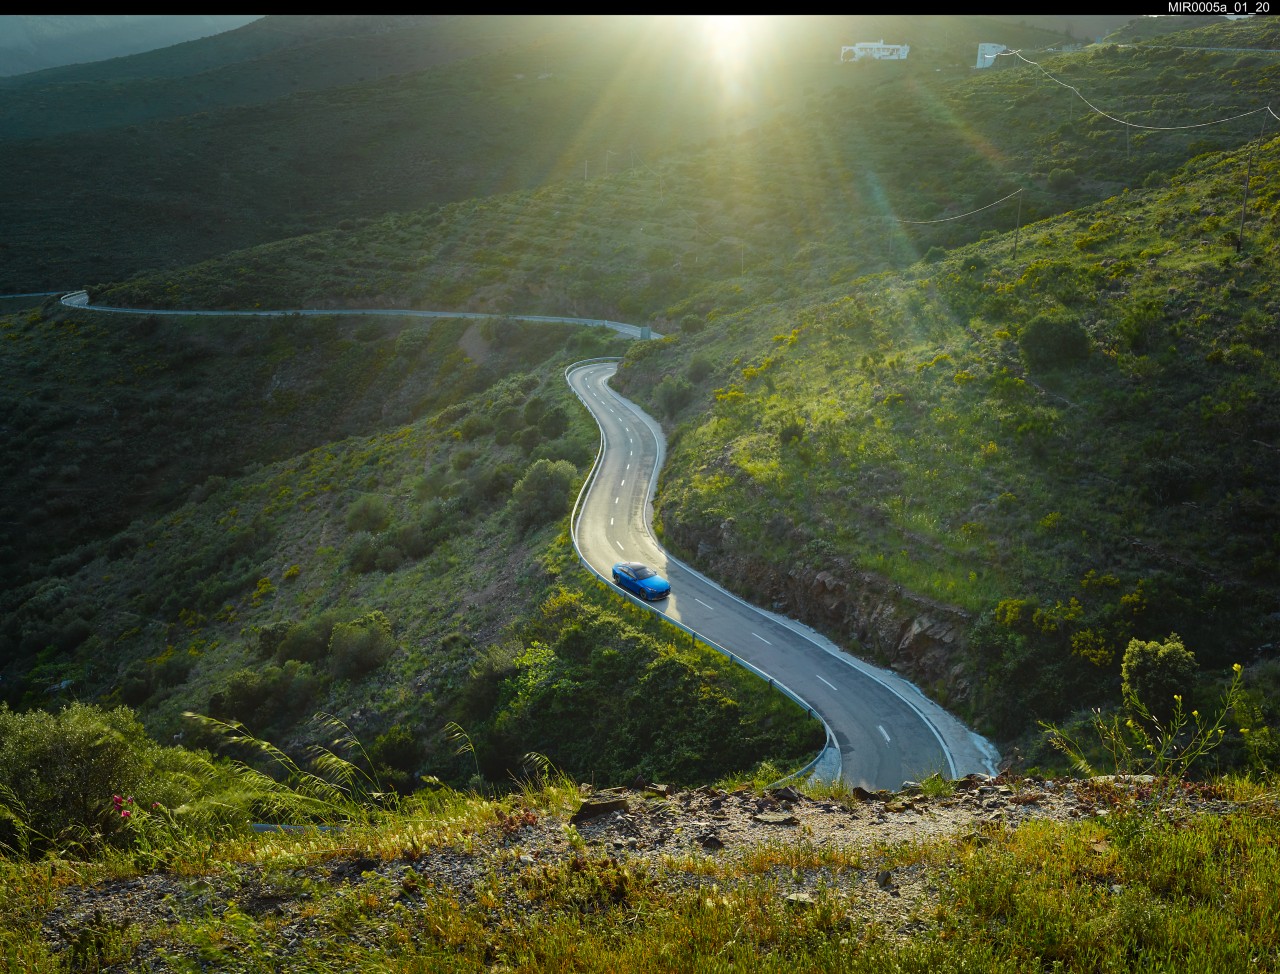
1061	180
59	771
1053	343
274	695
673	394
1158	674
601	689
542	494
308	640
369	512
361	645
1139	741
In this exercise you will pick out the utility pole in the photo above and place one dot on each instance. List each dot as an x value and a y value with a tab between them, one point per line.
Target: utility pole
1248	172
584	170
607	154
1018	230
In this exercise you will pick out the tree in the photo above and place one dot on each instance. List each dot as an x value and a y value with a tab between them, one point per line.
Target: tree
1154	673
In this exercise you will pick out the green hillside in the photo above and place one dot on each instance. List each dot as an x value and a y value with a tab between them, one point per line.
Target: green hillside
1054	452
958	369
301	138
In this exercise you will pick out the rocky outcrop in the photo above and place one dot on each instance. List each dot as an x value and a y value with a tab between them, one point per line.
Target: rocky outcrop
920	638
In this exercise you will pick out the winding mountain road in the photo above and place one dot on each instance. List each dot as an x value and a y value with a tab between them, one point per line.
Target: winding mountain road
881	730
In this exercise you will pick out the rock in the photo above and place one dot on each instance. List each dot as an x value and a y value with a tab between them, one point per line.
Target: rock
862	794
658	791
775	818
601	803
884	879
785	794
912	786
709	840
799	900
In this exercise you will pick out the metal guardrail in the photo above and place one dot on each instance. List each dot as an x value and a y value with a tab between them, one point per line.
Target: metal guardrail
733	657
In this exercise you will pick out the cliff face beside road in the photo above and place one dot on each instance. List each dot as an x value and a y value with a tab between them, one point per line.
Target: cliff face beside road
920	638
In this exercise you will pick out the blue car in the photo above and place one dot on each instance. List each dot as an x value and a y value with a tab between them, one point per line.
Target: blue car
641	580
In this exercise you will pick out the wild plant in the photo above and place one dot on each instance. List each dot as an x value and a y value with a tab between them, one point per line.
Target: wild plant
1136	742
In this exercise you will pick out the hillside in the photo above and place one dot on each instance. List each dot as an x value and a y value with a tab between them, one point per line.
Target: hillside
30	42
1060	452
296	138
1041	456
298	668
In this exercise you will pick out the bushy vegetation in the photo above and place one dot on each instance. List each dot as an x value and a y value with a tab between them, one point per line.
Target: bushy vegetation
1144	885
1073	449
599	687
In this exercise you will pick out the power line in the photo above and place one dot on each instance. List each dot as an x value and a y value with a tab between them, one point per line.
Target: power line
961	216
1136	125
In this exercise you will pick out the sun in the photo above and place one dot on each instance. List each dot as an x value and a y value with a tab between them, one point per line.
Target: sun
727	34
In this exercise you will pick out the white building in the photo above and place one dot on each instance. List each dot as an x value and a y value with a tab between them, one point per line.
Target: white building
987	54
878	51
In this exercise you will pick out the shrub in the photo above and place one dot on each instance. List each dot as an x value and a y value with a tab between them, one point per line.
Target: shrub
673	394
309	640
362	556
1053	343
542	494
361	645
370	512
1061	180
59	771
1158	674
700	366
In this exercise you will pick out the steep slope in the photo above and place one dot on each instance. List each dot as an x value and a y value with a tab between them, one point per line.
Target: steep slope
1056	453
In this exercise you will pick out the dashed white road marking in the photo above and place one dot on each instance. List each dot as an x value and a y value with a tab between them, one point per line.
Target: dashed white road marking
620	548
827	682
700	602
762	639
884	732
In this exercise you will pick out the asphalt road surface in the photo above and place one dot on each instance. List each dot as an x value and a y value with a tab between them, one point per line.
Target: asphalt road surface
884	729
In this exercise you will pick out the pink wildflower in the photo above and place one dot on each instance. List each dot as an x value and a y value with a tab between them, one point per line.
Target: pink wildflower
126	813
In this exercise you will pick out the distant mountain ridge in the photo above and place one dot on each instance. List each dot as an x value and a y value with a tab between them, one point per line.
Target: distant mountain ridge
31	42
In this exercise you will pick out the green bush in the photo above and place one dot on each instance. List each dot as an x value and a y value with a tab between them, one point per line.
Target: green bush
370	512
309	640
268	696
1157	672
1053	343
673	394
362	645
1061	180
542	494
700	366
58	772
362	555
